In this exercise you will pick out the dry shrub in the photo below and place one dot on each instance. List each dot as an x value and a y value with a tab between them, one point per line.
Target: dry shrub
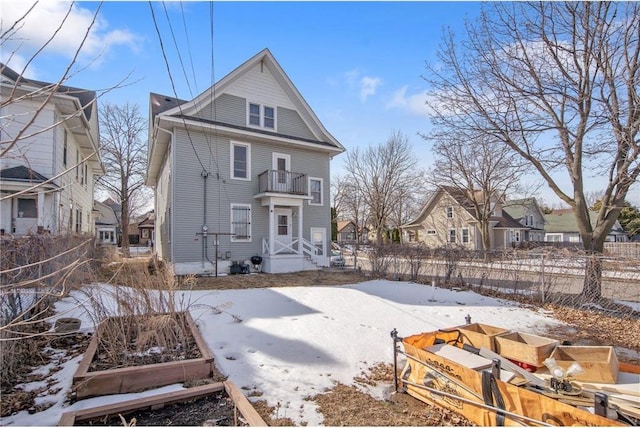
35	271
139	310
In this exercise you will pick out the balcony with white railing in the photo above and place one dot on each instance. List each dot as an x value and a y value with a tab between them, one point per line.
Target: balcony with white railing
284	182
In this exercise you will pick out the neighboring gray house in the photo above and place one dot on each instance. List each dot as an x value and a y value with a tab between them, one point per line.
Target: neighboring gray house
241	170
107	224
527	212
561	227
48	172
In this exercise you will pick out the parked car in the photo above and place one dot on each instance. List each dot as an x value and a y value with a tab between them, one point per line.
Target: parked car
336	258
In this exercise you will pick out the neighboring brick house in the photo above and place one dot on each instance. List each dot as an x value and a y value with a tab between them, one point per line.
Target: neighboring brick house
241	170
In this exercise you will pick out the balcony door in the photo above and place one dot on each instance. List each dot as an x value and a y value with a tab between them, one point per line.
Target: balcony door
282	176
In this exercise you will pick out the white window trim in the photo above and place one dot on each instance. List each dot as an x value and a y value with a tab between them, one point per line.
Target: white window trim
274	160
261	108
321	190
447	212
468	235
263	116
455	236
232	160
231	207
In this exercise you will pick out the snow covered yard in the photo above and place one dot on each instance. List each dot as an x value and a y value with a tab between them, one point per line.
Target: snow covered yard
290	343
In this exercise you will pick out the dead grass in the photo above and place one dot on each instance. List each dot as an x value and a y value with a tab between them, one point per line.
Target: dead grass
345	405
328	277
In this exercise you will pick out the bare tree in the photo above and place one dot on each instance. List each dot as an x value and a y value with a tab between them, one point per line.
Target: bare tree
477	167
557	83
349	204
124	156
381	174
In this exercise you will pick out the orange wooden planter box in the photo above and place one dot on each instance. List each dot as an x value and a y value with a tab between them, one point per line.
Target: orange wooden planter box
158	401
138	378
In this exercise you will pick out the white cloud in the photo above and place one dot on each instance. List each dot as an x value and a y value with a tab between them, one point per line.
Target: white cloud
412	103
365	85
41	23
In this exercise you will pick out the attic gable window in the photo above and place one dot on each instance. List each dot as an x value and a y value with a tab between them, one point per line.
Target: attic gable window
449	212
254	114
261	116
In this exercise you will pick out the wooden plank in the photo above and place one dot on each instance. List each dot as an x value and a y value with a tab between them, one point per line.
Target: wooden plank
83	368
67	419
243	404
628	383
202	345
508	365
460	356
141	403
132	379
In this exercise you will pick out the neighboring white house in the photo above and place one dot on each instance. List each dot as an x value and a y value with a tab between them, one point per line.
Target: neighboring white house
50	160
561	227
241	170
107	224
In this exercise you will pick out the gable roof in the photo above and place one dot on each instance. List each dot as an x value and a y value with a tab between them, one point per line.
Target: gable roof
107	214
265	58
505	221
166	111
343	224
563	221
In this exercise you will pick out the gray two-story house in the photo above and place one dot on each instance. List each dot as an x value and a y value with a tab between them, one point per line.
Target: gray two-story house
241	170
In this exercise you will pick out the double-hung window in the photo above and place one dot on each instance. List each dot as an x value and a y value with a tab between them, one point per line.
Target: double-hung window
465	235
452	236
449	212
261	116
241	222
315	191
240	161
254	114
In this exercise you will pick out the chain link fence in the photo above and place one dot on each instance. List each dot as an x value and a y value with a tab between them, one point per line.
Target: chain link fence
563	276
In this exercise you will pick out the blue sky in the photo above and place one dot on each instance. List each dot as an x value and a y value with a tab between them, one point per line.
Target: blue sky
358	64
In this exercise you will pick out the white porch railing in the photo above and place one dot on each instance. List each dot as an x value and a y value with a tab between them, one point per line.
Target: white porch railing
308	248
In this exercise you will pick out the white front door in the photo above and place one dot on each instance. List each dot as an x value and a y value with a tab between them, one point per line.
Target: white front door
283	230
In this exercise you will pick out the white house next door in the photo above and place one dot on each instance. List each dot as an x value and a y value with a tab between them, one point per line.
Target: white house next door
283	230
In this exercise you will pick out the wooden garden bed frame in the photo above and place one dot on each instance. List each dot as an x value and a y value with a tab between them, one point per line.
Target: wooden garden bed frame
137	378
158	401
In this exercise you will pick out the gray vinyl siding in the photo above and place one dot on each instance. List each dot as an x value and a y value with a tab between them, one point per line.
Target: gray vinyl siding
290	123
229	109
232	109
222	191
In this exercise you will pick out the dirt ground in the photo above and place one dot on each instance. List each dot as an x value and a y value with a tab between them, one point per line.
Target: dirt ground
332	276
